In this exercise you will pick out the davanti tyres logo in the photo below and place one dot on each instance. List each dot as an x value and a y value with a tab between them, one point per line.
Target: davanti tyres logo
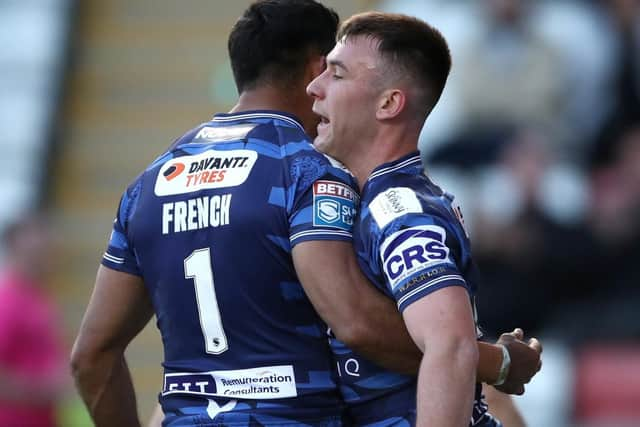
174	170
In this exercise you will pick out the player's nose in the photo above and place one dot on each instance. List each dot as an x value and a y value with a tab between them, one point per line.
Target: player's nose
314	89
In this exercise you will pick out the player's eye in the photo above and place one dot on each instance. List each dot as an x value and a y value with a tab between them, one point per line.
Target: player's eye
336	77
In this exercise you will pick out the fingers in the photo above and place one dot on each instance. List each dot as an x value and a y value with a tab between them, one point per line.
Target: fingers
511	389
535	344
517	333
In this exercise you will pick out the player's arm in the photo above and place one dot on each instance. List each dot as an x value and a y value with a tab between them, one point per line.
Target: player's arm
369	322
157	417
118	310
359	315
503	407
442	325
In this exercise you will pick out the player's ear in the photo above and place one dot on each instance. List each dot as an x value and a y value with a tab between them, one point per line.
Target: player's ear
390	104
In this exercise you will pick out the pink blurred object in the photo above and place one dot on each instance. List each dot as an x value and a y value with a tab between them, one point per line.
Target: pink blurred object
607	389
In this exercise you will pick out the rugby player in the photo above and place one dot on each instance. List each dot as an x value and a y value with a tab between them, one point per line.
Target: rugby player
384	76
233	237
210	237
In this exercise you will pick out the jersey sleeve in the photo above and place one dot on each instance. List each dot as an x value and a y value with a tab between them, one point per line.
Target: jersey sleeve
120	253
324	201
419	253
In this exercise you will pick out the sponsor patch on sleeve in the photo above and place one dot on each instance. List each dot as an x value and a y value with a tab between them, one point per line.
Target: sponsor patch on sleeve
392	204
334	205
411	251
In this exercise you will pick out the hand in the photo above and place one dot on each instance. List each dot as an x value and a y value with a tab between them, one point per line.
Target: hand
525	361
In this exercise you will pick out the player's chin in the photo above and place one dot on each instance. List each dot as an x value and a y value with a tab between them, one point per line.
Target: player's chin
321	144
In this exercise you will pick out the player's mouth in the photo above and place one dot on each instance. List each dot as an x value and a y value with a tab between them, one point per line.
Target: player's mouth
324	123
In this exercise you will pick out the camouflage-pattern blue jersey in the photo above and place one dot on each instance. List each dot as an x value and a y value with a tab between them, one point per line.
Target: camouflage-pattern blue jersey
209	226
410	241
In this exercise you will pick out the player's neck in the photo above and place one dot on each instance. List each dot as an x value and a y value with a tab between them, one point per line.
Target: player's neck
267	98
384	148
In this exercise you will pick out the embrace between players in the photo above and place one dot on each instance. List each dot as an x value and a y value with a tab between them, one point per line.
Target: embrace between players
243	304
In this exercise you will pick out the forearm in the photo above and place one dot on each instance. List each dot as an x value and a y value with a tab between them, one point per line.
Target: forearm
106	388
406	360
373	336
489	362
156	417
446	385
406	356
503	408
118	310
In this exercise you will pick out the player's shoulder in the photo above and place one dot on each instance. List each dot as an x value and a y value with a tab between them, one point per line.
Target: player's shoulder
400	196
393	190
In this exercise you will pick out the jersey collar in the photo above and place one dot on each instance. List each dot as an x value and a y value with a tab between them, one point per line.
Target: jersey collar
411	160
258	114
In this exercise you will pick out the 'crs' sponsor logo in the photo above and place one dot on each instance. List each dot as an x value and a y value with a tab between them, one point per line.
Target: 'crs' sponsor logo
211	169
412	250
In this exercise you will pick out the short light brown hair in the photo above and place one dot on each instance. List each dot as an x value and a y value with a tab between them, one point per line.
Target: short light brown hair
411	47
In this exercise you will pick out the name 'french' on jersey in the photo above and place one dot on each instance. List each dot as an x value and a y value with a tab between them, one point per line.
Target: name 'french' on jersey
410	240
210	226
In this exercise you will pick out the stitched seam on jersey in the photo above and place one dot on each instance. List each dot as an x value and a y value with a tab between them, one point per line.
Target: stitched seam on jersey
453	277
320	232
259	116
112	258
394	168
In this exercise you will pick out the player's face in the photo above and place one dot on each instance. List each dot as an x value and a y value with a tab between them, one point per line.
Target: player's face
345	98
310	120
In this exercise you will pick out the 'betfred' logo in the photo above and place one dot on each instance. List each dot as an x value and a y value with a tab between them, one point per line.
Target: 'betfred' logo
333	188
334	205
208	170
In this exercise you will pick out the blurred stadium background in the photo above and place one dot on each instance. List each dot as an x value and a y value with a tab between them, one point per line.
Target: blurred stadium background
537	134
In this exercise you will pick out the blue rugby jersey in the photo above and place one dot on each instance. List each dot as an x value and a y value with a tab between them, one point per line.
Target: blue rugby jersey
210	226
410	241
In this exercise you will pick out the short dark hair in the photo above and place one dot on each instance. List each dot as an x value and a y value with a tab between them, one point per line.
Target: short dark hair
272	40
414	48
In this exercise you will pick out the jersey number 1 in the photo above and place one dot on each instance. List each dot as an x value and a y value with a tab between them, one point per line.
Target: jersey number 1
197	266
